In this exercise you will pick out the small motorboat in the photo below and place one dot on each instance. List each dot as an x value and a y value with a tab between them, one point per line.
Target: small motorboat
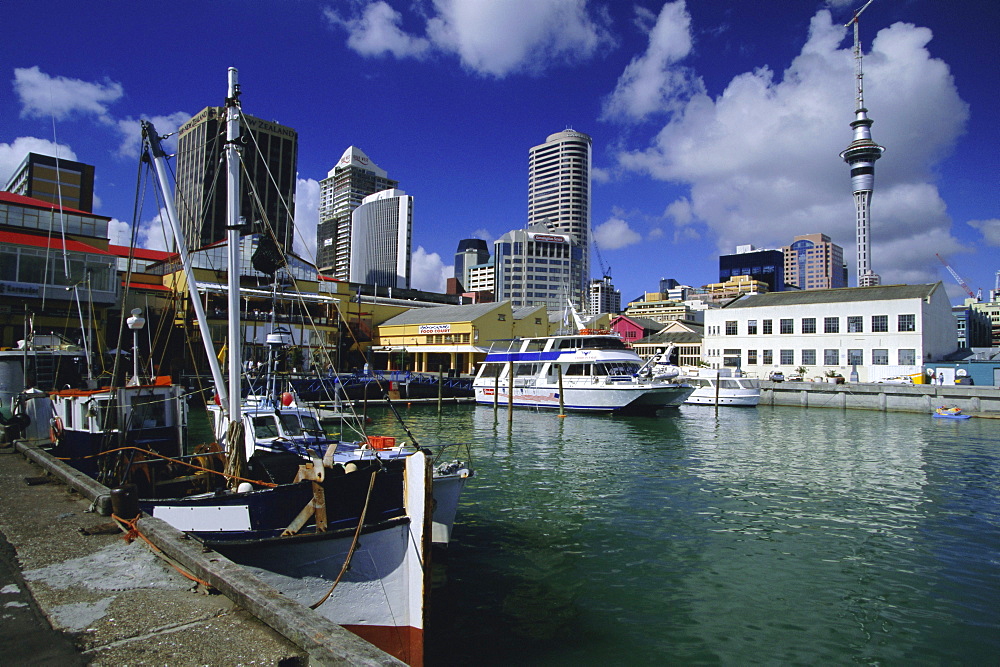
950	413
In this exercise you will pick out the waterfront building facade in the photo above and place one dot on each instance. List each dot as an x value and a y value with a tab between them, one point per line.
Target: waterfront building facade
268	178
813	261
353	178
536	266
603	297
655	306
381	231
991	310
57	282
767	266
879	331
974	325
685	336
61	182
559	195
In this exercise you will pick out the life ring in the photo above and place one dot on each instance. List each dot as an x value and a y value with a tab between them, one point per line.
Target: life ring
55	428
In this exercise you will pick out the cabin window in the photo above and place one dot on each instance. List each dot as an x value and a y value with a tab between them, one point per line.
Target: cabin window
148	412
578	369
107	416
522	370
290	424
265	427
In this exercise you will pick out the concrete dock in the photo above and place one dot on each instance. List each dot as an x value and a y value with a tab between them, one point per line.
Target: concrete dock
925	398
114	603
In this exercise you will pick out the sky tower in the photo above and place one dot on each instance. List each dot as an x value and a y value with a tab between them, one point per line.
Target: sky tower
861	155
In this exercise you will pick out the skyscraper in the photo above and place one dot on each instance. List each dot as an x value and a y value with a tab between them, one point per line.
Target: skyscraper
534	266
61	182
471	252
559	194
766	266
812	261
861	154
270	162
380	239
353	178
603	297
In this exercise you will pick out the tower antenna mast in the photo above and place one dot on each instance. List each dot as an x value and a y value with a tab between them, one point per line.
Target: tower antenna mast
857	53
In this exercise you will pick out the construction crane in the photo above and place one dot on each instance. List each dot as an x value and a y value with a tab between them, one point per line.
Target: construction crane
605	270
957	277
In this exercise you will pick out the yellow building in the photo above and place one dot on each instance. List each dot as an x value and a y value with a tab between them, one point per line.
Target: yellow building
453	337
654	306
734	287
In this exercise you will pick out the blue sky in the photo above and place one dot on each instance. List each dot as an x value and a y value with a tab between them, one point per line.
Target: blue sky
715	124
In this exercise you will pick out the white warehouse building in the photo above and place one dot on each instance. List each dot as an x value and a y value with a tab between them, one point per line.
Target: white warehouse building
880	331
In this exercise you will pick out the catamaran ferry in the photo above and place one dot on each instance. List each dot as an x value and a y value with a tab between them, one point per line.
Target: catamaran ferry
588	371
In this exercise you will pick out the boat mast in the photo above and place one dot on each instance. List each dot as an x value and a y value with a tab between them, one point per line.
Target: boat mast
159	159
233	237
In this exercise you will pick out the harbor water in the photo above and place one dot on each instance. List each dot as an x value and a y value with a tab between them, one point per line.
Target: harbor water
764	535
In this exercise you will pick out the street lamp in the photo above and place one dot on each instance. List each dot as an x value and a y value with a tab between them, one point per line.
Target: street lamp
135	323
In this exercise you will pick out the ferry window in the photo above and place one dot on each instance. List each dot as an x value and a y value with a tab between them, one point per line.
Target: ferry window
767	358
310	423
831	325
880	357
787	357
265	427
787	326
831	357
855	358
752	357
855	324
490	370
521	370
907	357
730	327
107	416
578	369
880	323
808	357
767	329
568	343
808	325
290	424
607	343
907	323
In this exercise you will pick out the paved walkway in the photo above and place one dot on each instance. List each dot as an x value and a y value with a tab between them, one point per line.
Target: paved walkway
110	603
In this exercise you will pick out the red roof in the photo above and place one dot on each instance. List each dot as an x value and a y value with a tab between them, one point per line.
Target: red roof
140	253
31	202
55	242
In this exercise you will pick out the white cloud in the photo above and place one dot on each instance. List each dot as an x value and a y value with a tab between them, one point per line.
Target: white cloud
306	218
60	97
651	83
990	229
13	153
615	233
377	31
483	234
761	159
152	234
490	37
428	272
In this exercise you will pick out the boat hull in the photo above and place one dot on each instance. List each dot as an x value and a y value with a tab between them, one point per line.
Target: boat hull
708	397
598	398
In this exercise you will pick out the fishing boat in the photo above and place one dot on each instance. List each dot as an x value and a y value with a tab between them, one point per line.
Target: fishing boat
349	536
590	371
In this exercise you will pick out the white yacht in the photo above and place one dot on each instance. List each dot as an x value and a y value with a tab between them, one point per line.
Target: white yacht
721	387
589	371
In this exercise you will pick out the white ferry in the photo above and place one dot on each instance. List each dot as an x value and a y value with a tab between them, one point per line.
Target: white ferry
592	371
